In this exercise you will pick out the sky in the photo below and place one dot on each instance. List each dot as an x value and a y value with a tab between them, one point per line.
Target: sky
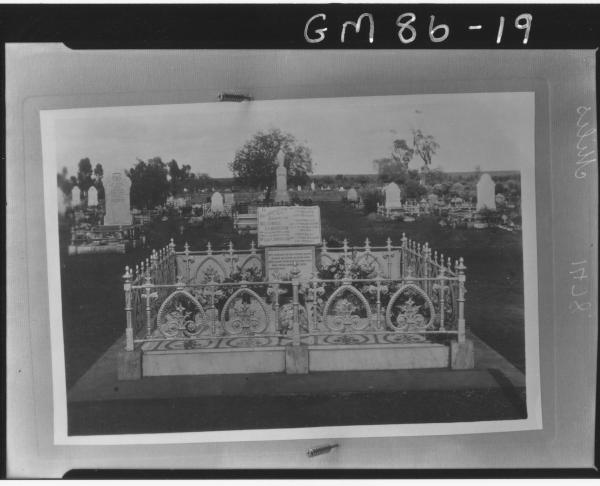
494	131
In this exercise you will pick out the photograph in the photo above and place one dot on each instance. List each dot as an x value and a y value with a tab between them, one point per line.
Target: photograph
250	265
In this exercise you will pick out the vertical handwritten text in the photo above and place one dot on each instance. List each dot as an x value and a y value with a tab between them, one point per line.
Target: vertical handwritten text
586	155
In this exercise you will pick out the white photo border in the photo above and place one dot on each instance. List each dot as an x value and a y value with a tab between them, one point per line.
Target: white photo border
531	320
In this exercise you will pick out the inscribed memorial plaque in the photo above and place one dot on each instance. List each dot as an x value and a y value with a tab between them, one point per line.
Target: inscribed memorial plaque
280	262
289	225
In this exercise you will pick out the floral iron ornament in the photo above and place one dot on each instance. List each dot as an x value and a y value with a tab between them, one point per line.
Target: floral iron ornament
409	315
180	315
409	318
245	313
341	313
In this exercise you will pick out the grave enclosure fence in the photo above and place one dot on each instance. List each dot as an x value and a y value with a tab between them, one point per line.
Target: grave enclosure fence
406	293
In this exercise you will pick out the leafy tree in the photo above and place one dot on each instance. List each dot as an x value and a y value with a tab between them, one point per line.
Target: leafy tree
180	178
435	176
84	175
370	200
149	184
390	169
413	189
402	153
513	187
425	146
254	164
97	183
438	189
63	182
98	172
457	189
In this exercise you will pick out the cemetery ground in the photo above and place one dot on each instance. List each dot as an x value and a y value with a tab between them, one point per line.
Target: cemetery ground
93	320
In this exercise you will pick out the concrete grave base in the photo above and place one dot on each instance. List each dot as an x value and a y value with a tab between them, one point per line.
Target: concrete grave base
299	359
296	359
462	355
214	361
378	357
129	365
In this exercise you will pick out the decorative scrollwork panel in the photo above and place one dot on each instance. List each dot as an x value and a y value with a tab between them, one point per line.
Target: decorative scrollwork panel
210	269
346	309
410	309
181	315
245	312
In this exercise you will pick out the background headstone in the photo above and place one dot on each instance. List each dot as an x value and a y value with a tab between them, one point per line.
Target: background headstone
118	206
75	196
61	201
392	196
312	186
486	189
92	196
281	191
352	195
216	202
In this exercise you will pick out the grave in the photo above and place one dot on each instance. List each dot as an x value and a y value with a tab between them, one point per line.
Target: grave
289	235
92	196
281	192
392	196
118	234
61	201
216	203
75	196
392	206
352	195
116	200
486	189
290	318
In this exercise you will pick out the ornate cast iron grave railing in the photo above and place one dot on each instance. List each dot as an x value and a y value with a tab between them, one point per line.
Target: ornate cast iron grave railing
419	295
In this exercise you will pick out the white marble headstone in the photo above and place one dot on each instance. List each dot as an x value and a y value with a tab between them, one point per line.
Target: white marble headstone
61	201
92	196
486	193
312	186
392	195
116	199
75	196
352	194
216	202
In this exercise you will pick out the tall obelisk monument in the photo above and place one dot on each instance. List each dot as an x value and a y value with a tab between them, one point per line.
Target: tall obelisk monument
281	192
